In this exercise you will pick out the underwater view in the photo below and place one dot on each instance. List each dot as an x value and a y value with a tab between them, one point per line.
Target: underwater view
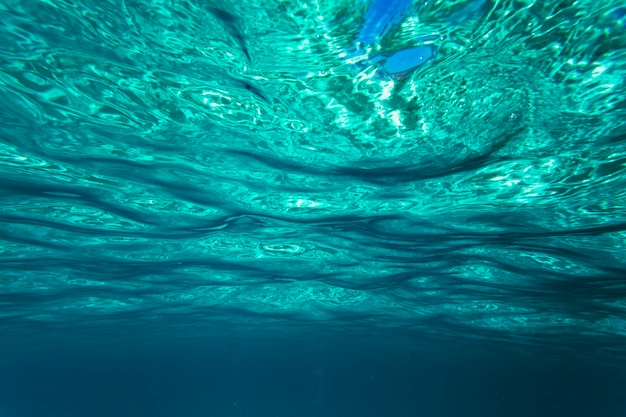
312	208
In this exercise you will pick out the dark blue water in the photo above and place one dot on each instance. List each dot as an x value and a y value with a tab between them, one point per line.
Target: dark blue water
314	208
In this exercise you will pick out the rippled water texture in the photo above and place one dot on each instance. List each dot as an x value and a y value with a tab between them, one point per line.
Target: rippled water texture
179	167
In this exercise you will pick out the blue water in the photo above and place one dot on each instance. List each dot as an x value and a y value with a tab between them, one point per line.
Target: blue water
312	208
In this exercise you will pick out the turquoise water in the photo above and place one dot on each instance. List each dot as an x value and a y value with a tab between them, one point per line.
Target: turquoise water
294	170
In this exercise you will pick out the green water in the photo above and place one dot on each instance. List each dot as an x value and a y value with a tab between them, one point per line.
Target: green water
175	168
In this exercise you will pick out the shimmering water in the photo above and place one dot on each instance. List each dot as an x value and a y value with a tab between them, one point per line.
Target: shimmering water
279	169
